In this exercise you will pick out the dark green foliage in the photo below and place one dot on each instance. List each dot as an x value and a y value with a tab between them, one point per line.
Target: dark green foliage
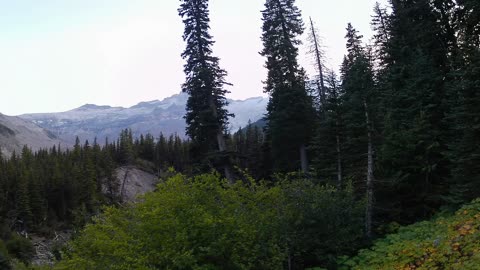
464	96
359	93
327	144
381	24
415	65
172	152
146	147
247	144
4	263
420	82
125	145
315	213
290	109
20	248
4	258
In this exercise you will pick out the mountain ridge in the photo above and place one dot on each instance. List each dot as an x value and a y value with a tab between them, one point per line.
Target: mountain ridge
91	121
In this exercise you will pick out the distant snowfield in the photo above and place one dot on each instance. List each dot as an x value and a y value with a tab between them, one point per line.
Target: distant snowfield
166	116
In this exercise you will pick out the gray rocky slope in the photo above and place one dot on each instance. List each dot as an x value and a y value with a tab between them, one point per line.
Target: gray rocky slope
166	116
16	132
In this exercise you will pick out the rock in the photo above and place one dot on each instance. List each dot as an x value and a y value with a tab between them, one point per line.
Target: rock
134	182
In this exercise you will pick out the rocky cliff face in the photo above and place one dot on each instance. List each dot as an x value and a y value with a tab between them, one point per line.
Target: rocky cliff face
133	182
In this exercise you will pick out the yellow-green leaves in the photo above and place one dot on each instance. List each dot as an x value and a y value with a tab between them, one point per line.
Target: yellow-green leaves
444	243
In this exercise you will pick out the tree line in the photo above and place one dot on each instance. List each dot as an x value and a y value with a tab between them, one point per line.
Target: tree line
62	188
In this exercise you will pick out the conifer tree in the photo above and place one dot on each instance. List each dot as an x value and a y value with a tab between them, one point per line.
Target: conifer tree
412	155
359	87
207	116
23	202
126	152
290	110
327	143
381	25
464	94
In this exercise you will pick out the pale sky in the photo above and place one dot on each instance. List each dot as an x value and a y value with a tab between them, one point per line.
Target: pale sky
56	55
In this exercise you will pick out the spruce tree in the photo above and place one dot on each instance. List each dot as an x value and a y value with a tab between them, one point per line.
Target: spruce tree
464	94
359	86
415	76
327	144
207	116
381	25
289	111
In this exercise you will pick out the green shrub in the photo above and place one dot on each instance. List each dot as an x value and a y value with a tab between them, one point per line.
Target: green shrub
204	223
4	262
18	265
20	248
445	243
3	249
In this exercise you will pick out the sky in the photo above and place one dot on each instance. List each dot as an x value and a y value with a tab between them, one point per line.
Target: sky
56	55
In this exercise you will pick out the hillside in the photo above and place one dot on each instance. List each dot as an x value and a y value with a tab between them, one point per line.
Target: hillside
16	132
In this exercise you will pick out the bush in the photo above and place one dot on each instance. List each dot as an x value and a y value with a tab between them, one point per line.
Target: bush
204	223
3	249
322	223
451	242
4	262
20	248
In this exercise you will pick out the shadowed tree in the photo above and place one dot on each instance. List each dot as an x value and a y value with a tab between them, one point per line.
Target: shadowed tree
289	112
359	87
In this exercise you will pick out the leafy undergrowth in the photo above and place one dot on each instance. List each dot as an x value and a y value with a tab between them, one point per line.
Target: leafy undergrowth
445	243
204	223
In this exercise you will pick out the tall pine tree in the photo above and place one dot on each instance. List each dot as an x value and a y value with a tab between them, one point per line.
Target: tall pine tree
415	72
359	87
289	111
464	97
327	144
207	116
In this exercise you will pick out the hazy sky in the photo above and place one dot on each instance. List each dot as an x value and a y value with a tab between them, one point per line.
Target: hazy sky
56	55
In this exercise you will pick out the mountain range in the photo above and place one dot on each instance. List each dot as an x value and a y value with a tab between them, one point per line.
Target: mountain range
159	116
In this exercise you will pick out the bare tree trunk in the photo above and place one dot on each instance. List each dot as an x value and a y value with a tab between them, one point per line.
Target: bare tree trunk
369	206
337	133
304	159
122	190
339	158
318	59
222	146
